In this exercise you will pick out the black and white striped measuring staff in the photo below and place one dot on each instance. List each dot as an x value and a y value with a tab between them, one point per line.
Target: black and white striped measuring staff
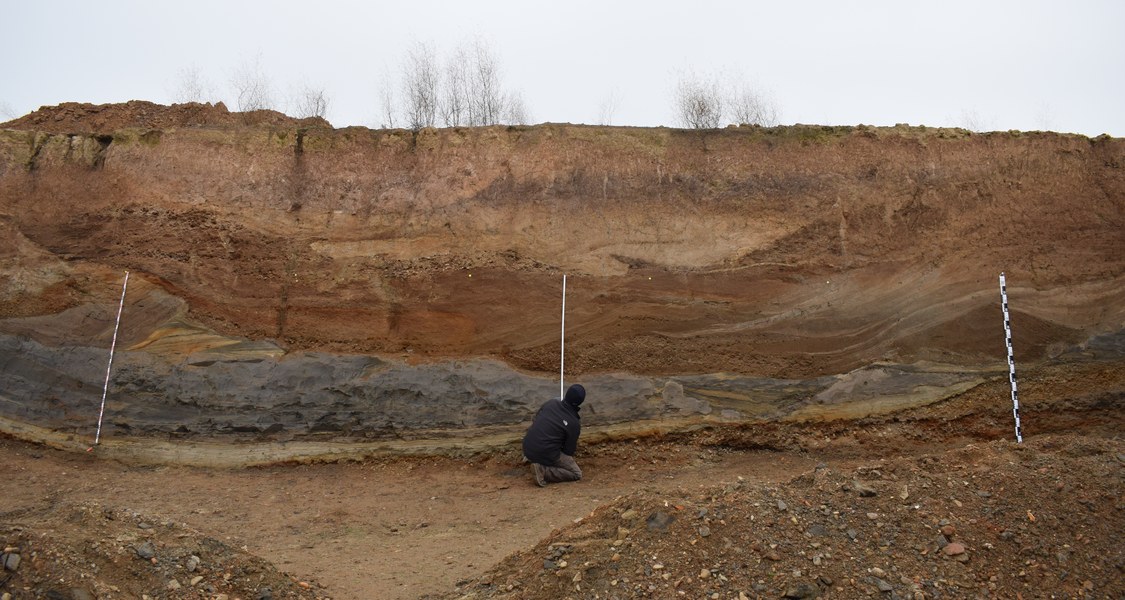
1011	358
109	366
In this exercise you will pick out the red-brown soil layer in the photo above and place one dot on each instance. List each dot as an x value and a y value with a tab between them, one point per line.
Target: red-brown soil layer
785	252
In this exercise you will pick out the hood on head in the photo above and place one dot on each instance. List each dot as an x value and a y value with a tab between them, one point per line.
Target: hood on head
575	394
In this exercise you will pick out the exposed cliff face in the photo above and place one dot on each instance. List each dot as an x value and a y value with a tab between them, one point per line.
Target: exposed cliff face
789	253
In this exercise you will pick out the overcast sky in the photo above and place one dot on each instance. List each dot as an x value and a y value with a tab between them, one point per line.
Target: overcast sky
1025	65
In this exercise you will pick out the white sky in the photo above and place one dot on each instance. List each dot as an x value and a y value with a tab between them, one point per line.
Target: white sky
995	65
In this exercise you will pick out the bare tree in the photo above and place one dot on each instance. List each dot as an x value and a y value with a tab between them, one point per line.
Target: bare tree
483	96
466	91
699	103
420	86
515	110
608	109
484	87
971	119
252	87
749	106
192	86
6	111
388	108
311	102
454	104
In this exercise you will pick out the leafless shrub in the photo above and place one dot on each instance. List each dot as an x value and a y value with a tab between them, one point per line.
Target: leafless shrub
608	108
707	103
699	103
515	110
311	102
420	87
388	104
749	106
192	86
252	87
973	121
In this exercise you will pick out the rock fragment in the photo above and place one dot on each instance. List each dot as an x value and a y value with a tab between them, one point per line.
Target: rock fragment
146	551
659	521
11	561
801	589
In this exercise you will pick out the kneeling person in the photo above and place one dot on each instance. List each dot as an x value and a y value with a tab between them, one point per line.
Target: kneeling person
552	439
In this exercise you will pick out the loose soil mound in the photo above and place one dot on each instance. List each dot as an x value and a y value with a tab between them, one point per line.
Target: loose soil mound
88	550
75	117
992	520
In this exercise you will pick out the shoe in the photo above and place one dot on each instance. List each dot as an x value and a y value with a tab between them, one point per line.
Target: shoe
540	478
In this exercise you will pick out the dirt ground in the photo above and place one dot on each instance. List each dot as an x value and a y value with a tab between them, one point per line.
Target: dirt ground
774	510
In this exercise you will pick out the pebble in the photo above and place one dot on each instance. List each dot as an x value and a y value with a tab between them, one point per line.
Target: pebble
704	531
953	549
193	563
817	530
872	516
876	571
704	573
174	585
11	561
659	521
948	531
782	506
883	586
195	580
629	514
802	589
864	490
146	551
80	594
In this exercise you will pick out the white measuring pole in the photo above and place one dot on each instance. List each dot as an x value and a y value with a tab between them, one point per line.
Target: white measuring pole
562	340
1011	358
112	346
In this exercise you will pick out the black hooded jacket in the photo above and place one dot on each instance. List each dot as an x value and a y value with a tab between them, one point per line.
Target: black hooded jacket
555	429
